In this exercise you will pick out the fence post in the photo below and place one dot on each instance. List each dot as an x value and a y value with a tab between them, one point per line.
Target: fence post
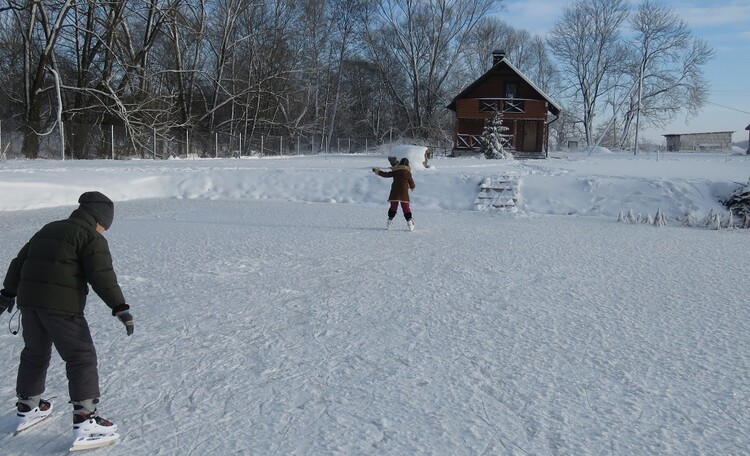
281	145
62	139
216	145
187	144
239	148
154	130
112	139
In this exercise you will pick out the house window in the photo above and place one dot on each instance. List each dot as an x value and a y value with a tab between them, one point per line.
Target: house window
511	90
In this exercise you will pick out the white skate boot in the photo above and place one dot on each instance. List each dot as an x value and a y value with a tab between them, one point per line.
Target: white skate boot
410	225
28	416
92	431
390	224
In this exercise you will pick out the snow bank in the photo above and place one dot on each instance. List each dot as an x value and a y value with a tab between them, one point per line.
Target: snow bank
602	184
415	154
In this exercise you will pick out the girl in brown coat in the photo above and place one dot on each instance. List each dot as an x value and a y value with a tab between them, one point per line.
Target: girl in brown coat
402	183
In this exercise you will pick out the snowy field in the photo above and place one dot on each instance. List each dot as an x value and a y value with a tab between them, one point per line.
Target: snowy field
275	315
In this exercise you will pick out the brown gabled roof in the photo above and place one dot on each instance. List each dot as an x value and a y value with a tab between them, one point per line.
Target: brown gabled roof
747	128
553	107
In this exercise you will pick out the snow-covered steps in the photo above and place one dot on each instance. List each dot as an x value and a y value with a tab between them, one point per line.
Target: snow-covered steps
497	193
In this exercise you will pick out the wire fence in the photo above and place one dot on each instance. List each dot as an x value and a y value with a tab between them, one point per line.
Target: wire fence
113	142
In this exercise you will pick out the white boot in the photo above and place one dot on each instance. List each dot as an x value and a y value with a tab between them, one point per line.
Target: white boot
390	224
92	424
410	225
92	431
28	416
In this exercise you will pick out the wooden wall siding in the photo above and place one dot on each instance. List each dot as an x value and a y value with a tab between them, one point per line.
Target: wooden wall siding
494	86
720	140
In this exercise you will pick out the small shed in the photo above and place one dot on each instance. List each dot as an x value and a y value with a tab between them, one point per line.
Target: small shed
748	140
525	107
700	142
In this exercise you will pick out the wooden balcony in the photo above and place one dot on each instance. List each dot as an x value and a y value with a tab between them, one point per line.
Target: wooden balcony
482	108
467	141
504	105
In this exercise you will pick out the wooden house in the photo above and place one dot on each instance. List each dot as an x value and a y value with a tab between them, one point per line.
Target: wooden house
527	111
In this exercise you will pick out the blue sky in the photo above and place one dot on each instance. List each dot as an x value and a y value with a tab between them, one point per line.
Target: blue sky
724	24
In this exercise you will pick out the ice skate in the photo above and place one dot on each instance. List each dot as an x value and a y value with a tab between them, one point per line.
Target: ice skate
389	225
28	416
410	225
92	431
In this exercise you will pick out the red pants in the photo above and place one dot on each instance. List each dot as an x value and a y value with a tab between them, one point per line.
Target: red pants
404	206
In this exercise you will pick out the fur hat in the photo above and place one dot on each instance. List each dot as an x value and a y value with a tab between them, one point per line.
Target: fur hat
404	162
99	206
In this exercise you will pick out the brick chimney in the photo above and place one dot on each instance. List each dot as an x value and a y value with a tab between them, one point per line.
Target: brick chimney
497	56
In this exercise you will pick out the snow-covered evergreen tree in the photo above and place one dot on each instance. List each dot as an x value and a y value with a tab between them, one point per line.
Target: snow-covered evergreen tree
495	142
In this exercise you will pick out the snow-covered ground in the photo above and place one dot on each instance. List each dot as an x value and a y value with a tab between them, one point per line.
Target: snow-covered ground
270	320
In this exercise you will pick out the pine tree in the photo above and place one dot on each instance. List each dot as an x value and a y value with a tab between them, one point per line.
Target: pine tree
494	141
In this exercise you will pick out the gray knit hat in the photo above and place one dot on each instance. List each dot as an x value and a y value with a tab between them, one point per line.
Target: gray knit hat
99	206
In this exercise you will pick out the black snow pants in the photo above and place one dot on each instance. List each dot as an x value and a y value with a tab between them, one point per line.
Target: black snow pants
72	339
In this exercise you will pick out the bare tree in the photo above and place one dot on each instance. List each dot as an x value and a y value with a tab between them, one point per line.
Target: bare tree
490	34
527	52
150	69
40	24
416	44
667	68
187	32
587	42
345	17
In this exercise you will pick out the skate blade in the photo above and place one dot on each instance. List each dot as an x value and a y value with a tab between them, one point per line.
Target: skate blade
28	424
94	441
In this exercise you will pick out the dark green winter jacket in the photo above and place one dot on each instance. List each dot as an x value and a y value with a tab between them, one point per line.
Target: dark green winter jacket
53	270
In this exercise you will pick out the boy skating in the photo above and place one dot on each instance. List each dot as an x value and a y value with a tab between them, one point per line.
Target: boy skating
49	281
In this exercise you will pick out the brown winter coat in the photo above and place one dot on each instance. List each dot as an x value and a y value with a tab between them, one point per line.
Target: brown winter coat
402	182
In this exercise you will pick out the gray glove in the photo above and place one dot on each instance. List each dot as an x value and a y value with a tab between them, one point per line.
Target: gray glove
6	301
126	320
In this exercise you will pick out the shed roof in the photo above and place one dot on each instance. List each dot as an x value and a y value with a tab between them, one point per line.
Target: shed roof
554	108
701	133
